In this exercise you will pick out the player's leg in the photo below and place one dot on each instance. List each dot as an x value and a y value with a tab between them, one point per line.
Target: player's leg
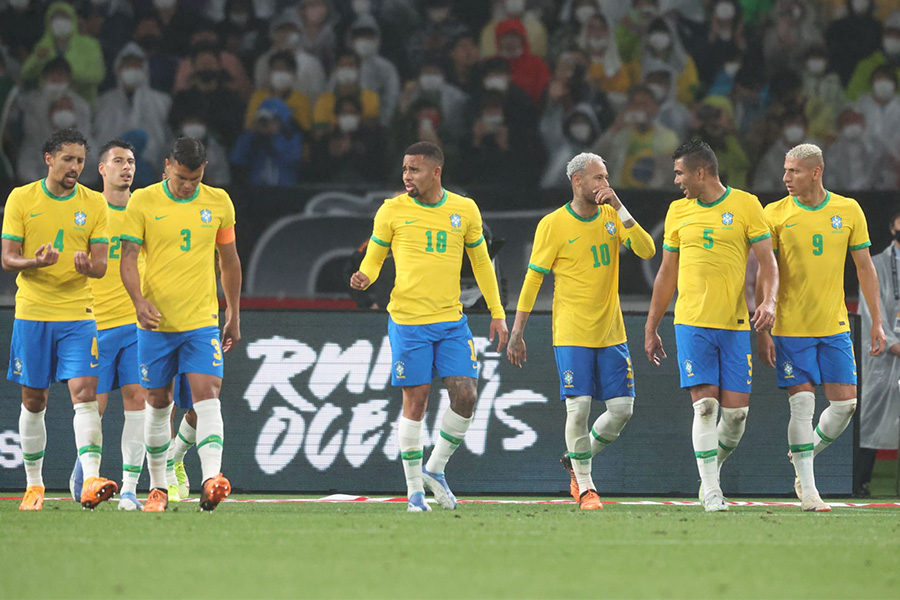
577	385
616	389
134	405
736	376
838	368
182	441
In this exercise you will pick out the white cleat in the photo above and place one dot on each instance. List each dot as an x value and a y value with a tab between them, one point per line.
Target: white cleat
128	501
416	503
437	485
715	503
814	503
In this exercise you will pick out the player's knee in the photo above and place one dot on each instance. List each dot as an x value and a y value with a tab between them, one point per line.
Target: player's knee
706	408
578	409
845	408
620	409
735	416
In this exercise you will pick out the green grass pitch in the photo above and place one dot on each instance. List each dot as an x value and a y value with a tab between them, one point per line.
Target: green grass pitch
377	550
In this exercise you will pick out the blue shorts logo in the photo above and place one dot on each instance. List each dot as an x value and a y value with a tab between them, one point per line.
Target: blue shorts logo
399	369
611	228
206	215
80	218
837	222
17	366
727	218
455	221
788	370
145	373
568	378
689	368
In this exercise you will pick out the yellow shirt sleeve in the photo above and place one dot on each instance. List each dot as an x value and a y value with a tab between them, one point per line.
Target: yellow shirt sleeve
859	235
769	215
544	250
757	226
13	223
483	269
530	288
133	229
379	243
638	240
671	239
100	233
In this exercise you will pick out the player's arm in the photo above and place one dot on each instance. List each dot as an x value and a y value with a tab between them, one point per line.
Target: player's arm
486	278
766	285
868	285
371	264
93	264
663	289
230	267
147	314
639	241
14	262
530	288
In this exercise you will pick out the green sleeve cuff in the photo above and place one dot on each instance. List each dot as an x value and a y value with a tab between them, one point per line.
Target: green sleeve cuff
628	243
534	267
99	240
760	238
131	239
380	242
475	243
775	250
670	248
15	238
865	244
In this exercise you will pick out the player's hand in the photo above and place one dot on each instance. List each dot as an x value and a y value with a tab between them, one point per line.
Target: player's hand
879	341
765	347
515	352
231	334
653	346
46	255
608	196
83	263
147	315
764	317
499	329
359	281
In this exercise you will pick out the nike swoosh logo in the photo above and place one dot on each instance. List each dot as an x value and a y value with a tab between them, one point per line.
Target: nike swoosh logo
95	365
791	225
162	217
216	364
36	214
576	239
749	381
413	221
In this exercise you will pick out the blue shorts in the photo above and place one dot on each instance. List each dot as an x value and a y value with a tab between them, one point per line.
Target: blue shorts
118	358
181	392
42	352
422	351
814	360
164	354
601	373
720	357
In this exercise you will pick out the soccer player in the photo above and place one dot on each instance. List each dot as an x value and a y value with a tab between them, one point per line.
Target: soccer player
580	243
810	344
55	238
179	484
427	229
180	223
708	237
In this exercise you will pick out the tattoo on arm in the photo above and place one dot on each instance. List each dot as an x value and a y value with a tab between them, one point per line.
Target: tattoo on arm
129	248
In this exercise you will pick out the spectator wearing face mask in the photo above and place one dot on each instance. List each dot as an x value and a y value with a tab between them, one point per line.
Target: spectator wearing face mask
725	37
820	82
881	108
20	26
241	32
607	72
567	89
535	32
110	23
269	152
193	123
464	59
437	31
488	154
788	40
317	35
61	113
61	39
352	151
309	75
376	73
205	37
662	50
423	121
160	65
888	54
345	83
634	27
770	170
865	162
432	85
282	70
578	130
725	78
672	113
713	123
176	20
528	71
519	112
132	104
579	11
852	38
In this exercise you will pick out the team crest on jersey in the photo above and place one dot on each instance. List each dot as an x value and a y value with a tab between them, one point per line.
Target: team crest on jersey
17	366
611	228
788	369
80	218
399	369
145	373
727	218
689	368
568	378
837	222
206	215
455	221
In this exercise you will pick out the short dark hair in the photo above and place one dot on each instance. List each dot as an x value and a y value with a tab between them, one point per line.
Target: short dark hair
60	137
697	154
117	143
428	150
57	64
285	57
188	152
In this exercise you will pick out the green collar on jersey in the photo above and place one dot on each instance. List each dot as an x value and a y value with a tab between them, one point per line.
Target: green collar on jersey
710	205
113	206
580	218
58	198
165	186
805	207
443	199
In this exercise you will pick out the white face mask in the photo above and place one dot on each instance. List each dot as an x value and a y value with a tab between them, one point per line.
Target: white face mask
496	83
515	7
292	40
583	13
281	80
883	89
366	48
891	45
860	6
361	7
492	121
348	123
659	40
636	117
731	68
853	131
580	132
725	35
598	44
816	65
426	124
793	134
725	10
54	90
18	4
132	77
431	82
63	118
659	91
346	75
195	131
164	4
61	26
239	19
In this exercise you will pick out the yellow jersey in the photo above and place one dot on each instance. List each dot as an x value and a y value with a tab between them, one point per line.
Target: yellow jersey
583	255
811	247
34	217
428	241
713	241
179	238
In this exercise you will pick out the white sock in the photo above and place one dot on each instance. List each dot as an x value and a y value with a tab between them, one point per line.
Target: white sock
730	430
833	421
211	436
88	437
453	430
156	440
706	439
800	438
578	442
132	449
609	425
33	438
409	434
183	440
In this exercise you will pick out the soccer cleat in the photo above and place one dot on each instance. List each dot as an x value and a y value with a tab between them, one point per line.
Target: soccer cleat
33	499
416	503
174	493
715	503
76	481
128	501
157	501
798	489
566	461
184	484
215	489
814	503
437	485
97	490
590	500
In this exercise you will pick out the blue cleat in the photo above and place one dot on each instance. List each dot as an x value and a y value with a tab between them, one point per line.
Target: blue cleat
417	503
437	485
76	481
128	501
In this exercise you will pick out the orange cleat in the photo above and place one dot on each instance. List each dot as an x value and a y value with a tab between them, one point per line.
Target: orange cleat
215	489
97	490
590	500
33	499
157	501
573	483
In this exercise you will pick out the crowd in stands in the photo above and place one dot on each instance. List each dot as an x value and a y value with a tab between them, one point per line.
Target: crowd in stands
331	91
